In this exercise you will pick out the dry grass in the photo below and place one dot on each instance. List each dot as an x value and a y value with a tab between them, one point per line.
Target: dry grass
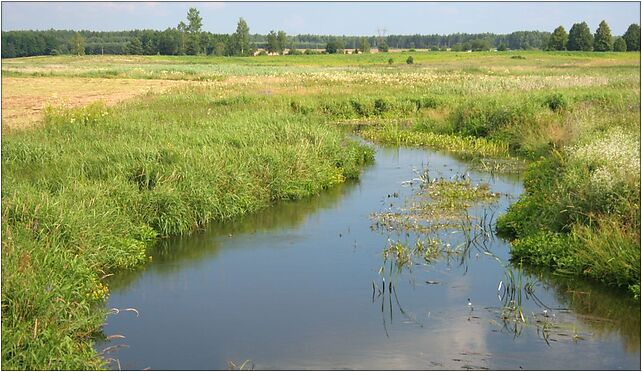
23	99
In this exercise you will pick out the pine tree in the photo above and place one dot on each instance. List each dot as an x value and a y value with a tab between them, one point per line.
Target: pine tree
135	46
580	38
632	37
603	41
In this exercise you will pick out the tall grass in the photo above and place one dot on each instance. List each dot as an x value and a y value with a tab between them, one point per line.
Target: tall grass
85	194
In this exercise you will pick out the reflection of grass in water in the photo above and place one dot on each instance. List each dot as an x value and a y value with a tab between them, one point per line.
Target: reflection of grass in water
602	309
247	365
202	245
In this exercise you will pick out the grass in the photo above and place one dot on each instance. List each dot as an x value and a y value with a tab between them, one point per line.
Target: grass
88	187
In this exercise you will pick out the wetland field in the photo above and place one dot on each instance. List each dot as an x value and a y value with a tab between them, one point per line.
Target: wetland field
464	211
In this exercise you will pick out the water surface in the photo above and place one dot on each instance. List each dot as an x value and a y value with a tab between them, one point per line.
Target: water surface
291	287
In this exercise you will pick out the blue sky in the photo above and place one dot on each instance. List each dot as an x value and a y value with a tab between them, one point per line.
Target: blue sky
337	18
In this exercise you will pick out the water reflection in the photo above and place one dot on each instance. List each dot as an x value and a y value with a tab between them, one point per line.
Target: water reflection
171	254
605	311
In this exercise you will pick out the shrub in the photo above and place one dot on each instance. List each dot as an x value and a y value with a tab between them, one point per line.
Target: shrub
410	60
556	102
390	61
381	105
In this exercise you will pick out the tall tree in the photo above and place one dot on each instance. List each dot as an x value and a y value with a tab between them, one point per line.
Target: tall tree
603	41
282	41
558	39
78	44
632	37
135	46
619	45
241	39
194	21
364	45
272	42
383	46
580	38
193	28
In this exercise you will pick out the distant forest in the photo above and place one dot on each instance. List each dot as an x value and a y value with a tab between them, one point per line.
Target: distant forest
168	42
189	39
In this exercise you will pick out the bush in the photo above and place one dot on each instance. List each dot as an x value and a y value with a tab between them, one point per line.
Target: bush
556	102
381	106
390	61
410	60
485	118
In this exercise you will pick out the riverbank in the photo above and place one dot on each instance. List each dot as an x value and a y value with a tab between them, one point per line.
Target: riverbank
87	193
580	214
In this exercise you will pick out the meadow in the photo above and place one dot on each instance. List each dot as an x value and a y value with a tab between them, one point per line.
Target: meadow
175	143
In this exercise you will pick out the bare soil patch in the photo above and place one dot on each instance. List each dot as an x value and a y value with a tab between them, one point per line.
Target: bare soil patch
24	98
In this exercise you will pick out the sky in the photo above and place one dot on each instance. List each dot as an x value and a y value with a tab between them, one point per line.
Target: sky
328	18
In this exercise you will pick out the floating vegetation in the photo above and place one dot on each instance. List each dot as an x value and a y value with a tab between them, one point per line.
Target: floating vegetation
440	204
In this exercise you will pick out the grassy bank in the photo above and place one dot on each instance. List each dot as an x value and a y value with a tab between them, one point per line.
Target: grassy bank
580	214
85	195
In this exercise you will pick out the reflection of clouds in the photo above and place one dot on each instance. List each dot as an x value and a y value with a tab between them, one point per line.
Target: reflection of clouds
448	341
455	344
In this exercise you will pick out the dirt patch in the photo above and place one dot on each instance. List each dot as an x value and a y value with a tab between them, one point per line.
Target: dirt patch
23	99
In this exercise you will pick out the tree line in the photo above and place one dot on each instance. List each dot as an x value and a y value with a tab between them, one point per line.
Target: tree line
580	38
187	38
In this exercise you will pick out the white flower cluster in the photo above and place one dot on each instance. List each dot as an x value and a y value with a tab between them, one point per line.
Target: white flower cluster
615	159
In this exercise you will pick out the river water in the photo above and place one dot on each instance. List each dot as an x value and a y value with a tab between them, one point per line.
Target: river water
300	286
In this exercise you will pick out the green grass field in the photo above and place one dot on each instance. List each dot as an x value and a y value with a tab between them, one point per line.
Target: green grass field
86	190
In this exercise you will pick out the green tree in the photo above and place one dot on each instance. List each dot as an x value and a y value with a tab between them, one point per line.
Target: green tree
334	46
219	48
580	38
632	37
191	41
272	42
502	47
282	41
603	41
194	21
241	39
135	47
78	44
364	45
383	46
619	45
478	45
182	28
558	39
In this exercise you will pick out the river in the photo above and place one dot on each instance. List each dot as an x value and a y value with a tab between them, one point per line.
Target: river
300	286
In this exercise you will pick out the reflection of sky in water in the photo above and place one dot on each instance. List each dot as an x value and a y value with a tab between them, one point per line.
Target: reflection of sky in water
291	288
